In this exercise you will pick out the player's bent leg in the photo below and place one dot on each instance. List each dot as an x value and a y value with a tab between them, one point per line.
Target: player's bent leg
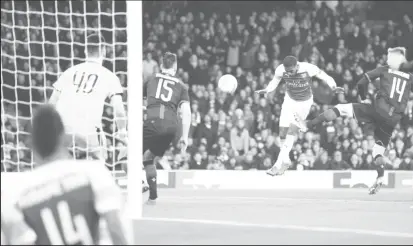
332	114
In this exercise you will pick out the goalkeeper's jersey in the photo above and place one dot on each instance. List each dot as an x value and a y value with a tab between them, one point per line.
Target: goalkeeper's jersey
84	89
61	203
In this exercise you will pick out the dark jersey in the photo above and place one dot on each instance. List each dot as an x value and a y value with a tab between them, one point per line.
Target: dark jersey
164	94
65	208
394	89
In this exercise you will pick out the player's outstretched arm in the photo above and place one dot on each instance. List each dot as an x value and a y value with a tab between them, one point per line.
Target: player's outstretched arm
327	79
271	86
274	82
186	124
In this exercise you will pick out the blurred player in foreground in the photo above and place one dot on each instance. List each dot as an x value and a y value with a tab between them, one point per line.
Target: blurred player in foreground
297	103
386	110
65	199
165	94
79	95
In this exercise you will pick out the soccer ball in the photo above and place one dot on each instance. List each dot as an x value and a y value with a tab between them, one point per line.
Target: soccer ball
227	83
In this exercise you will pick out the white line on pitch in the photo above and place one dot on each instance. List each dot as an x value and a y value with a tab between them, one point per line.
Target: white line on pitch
252	198
288	227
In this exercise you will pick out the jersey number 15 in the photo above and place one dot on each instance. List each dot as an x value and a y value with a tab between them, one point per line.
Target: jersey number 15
398	87
166	94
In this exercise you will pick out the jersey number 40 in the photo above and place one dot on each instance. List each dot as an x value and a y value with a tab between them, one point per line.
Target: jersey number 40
85	82
68	224
164	90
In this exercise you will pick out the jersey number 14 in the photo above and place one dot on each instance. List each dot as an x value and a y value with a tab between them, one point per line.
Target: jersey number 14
398	87
68	224
166	94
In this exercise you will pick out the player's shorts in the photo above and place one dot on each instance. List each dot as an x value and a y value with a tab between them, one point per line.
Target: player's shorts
158	135
291	107
87	146
372	121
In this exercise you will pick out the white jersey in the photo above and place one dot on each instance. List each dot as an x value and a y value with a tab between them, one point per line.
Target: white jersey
62	208
298	85
83	91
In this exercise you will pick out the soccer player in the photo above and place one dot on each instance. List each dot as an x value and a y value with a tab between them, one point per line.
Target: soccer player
297	103
65	199
165	93
387	108
79	96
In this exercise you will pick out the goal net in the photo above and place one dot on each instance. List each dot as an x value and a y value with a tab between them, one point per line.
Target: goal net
40	40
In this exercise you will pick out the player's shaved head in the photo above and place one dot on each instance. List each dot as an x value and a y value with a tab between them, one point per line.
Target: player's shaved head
290	61
290	65
47	131
94	44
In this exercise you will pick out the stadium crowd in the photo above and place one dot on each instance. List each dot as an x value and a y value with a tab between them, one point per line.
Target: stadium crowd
228	131
240	132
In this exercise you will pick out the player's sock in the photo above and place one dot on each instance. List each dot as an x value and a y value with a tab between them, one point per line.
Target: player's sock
284	155
327	115
151	176
379	166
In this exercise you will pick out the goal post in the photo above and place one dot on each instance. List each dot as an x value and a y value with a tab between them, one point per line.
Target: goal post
135	85
39	41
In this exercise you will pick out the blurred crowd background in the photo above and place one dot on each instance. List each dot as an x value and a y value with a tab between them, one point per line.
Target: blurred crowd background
246	39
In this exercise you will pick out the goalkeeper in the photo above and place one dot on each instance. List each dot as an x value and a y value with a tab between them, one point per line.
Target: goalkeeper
79	96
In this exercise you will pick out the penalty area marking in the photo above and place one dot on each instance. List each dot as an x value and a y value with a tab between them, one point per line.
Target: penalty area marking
287	227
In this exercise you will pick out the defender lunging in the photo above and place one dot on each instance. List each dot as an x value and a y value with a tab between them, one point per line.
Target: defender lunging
387	107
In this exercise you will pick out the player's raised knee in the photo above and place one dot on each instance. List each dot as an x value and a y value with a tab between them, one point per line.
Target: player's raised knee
47	131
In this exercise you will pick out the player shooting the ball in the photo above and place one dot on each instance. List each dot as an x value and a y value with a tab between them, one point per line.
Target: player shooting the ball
386	110
297	103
